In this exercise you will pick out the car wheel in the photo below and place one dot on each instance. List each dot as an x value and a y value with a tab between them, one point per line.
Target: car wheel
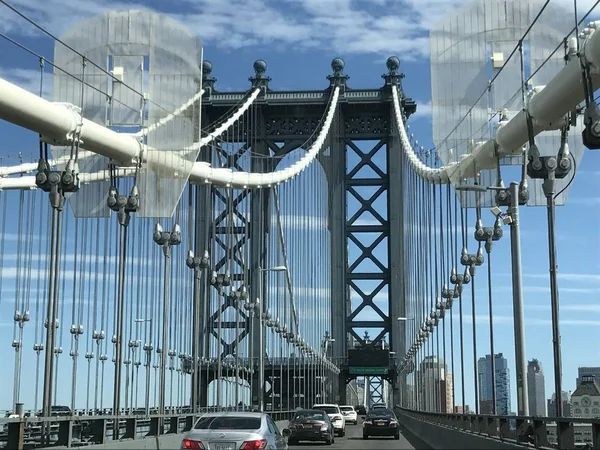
328	442
343	433
397	436
365	436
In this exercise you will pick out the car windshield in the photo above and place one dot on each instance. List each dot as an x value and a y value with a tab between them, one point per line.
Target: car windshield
382	414
228	423
328	409
346	408
310	415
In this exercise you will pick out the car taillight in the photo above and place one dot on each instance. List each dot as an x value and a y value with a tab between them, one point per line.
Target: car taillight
254	445
393	422
367	422
337	417
189	444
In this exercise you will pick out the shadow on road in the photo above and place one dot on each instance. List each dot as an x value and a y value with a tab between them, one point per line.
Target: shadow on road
415	441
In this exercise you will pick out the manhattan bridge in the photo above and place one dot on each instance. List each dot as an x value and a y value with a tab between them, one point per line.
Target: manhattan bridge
173	248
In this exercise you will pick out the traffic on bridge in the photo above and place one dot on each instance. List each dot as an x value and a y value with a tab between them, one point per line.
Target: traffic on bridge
293	259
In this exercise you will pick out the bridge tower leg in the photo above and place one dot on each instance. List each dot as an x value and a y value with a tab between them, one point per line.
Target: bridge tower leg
369	159
259	213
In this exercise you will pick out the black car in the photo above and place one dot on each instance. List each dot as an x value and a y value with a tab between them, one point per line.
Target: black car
311	425
381	422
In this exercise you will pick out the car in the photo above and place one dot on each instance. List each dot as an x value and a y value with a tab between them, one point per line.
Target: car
234	431
361	410
310	425
379	406
381	422
335	415
350	415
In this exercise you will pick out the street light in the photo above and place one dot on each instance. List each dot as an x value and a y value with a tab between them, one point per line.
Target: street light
403	319
262	309
148	349
166	240
514	195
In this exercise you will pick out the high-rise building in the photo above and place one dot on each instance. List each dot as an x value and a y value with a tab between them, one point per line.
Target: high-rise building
536	388
484	372
586	372
586	398
435	386
566	401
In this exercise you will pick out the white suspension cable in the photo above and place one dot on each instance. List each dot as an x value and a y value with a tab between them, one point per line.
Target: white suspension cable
228	123
547	108
58	124
152	128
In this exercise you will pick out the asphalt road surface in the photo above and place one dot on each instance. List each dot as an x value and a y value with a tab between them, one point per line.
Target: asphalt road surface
354	441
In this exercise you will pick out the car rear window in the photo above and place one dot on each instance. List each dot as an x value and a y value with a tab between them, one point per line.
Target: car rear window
328	409
382	414
346	408
228	423
315	415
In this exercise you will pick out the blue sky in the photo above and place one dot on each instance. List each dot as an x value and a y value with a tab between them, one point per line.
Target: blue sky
298	39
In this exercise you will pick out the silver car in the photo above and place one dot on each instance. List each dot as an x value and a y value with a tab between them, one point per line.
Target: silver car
234	431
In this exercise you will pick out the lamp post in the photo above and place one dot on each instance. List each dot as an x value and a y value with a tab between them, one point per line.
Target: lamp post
326	341
148	347
198	264
262	310
166	240
403	387
513	197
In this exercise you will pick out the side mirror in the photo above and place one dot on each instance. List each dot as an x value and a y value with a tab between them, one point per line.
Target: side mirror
286	432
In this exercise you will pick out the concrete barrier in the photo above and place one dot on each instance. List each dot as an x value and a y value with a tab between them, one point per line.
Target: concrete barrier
165	442
447	438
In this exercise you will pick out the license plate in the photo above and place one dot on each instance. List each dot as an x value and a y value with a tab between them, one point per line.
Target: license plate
381	424
224	446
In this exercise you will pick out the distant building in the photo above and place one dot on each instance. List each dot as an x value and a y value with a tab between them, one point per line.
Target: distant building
586	398
566	402
536	388
435	386
587	371
484	372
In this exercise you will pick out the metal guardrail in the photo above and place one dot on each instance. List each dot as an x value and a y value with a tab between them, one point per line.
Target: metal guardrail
536	432
77	431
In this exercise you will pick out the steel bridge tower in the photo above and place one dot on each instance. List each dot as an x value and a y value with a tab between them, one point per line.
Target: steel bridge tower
363	163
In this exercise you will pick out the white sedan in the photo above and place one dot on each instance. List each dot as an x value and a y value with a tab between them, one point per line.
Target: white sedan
349	413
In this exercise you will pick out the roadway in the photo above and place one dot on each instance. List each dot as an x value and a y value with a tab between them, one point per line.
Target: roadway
354	441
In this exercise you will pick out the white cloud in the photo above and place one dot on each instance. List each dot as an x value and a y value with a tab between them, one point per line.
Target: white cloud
582	307
377	26
28	79
575	277
546	289
589	278
529	321
585	201
423	111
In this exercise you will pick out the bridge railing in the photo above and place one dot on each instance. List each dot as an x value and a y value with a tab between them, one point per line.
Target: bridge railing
77	431
536	432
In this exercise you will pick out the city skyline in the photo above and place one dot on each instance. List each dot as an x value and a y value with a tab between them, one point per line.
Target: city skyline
538	386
